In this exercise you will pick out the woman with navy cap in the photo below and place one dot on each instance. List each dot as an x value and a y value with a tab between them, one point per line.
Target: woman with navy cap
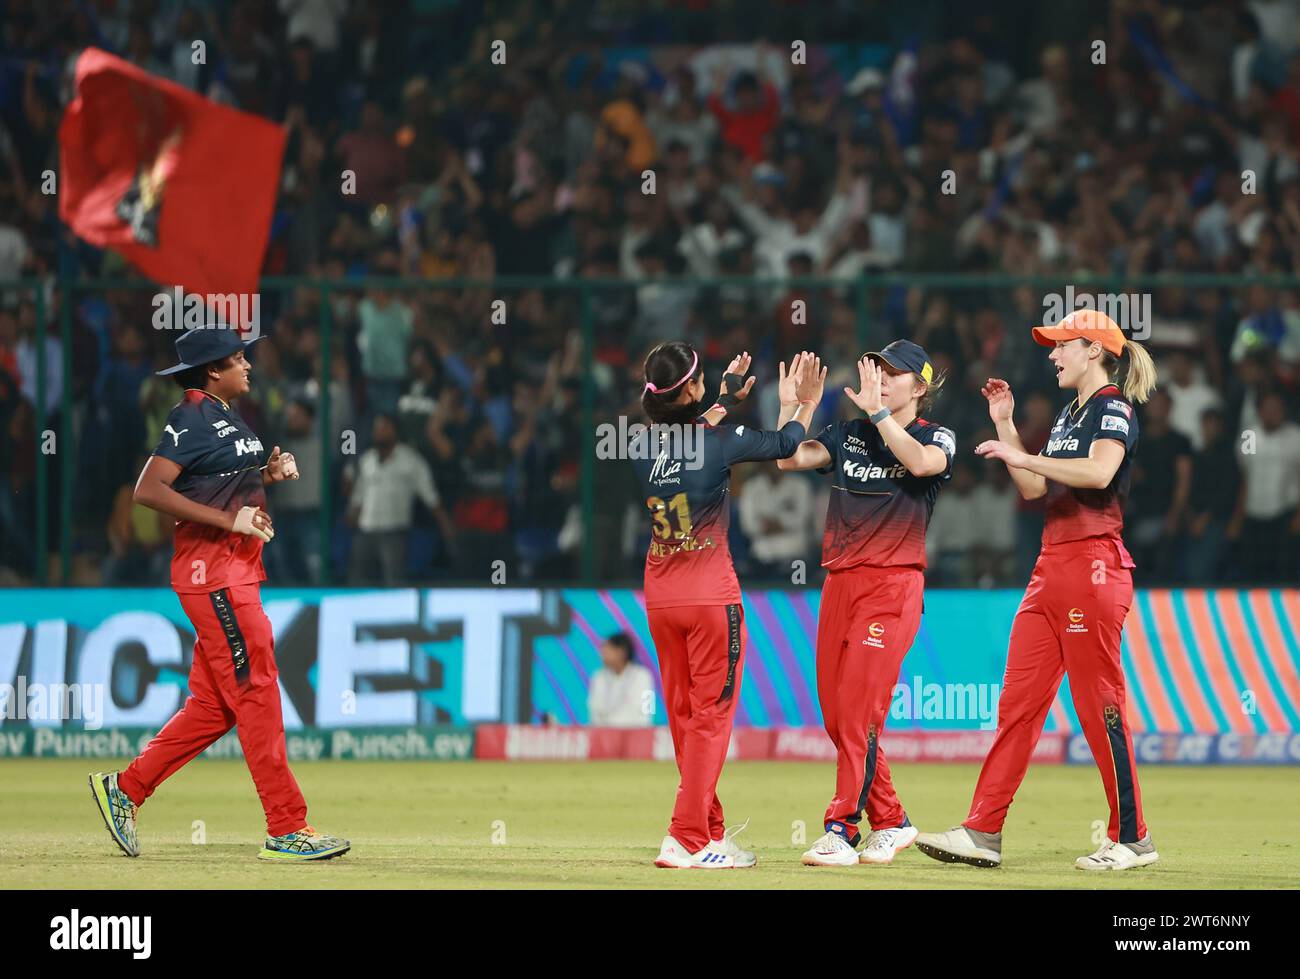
209	472
887	469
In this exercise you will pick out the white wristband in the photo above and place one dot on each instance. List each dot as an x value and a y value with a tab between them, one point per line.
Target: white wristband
244	524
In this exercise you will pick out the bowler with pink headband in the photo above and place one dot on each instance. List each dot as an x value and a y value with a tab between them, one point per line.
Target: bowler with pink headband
695	362
692	595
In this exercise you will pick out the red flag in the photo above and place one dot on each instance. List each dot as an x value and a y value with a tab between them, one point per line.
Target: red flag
182	187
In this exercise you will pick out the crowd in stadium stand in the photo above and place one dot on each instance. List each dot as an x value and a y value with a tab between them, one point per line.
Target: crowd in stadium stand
996	145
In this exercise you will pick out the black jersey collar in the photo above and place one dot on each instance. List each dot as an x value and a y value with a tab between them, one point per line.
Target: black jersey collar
1074	406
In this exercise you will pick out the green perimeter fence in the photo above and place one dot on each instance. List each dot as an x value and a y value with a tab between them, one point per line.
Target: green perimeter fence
858	291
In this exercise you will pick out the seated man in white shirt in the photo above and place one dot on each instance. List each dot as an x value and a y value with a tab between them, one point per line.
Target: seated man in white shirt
622	692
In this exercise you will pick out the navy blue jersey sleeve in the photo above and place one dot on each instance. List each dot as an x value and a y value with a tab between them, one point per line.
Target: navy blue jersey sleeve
1116	421
945	440
829	437
745	444
183	438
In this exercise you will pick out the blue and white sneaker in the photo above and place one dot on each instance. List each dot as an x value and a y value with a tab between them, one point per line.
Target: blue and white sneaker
306	844
725	854
117	810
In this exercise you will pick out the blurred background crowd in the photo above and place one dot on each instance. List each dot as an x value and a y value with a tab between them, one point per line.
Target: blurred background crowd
993	140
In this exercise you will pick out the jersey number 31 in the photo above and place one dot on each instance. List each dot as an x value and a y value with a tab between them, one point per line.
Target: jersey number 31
663	515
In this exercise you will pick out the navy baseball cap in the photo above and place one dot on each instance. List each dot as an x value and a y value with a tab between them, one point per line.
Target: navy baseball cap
204	344
904	355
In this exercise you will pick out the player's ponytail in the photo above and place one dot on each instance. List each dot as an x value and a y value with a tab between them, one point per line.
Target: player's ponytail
926	401
669	367
1140	378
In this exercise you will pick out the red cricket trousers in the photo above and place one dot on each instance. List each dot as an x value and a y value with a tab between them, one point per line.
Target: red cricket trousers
1070	621
701	652
866	624
233	683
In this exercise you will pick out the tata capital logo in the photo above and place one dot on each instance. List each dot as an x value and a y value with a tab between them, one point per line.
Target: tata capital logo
1076	617
875	633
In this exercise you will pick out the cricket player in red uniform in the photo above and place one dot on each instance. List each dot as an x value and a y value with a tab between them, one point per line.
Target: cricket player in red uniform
209	472
692	596
1072	616
888	469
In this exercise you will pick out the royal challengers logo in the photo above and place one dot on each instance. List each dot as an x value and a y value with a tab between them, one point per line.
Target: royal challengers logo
1076	617
875	636
141	206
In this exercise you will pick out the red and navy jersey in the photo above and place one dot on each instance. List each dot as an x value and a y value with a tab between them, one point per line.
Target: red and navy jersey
221	464
687	480
1076	514
878	510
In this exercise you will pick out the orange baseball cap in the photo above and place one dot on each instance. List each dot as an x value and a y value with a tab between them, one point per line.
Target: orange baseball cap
1084	324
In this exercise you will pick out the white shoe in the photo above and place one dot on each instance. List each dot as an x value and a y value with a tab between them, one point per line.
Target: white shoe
962	845
832	850
673	856
1119	856
725	854
882	844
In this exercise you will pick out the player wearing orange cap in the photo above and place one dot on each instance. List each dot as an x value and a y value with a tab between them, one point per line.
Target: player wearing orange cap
1072	616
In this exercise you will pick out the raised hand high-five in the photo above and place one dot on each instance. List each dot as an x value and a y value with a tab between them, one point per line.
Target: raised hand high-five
812	379
788	382
867	397
734	388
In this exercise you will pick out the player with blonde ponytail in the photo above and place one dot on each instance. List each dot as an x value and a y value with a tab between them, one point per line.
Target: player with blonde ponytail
1140	377
1071	619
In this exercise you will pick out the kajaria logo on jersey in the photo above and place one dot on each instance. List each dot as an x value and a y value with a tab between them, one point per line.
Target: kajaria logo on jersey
1062	445
856	470
244	446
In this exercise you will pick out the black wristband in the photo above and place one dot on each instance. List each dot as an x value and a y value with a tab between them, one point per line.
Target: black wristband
732	383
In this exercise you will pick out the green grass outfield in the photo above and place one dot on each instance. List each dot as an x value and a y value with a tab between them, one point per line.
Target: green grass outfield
598	824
